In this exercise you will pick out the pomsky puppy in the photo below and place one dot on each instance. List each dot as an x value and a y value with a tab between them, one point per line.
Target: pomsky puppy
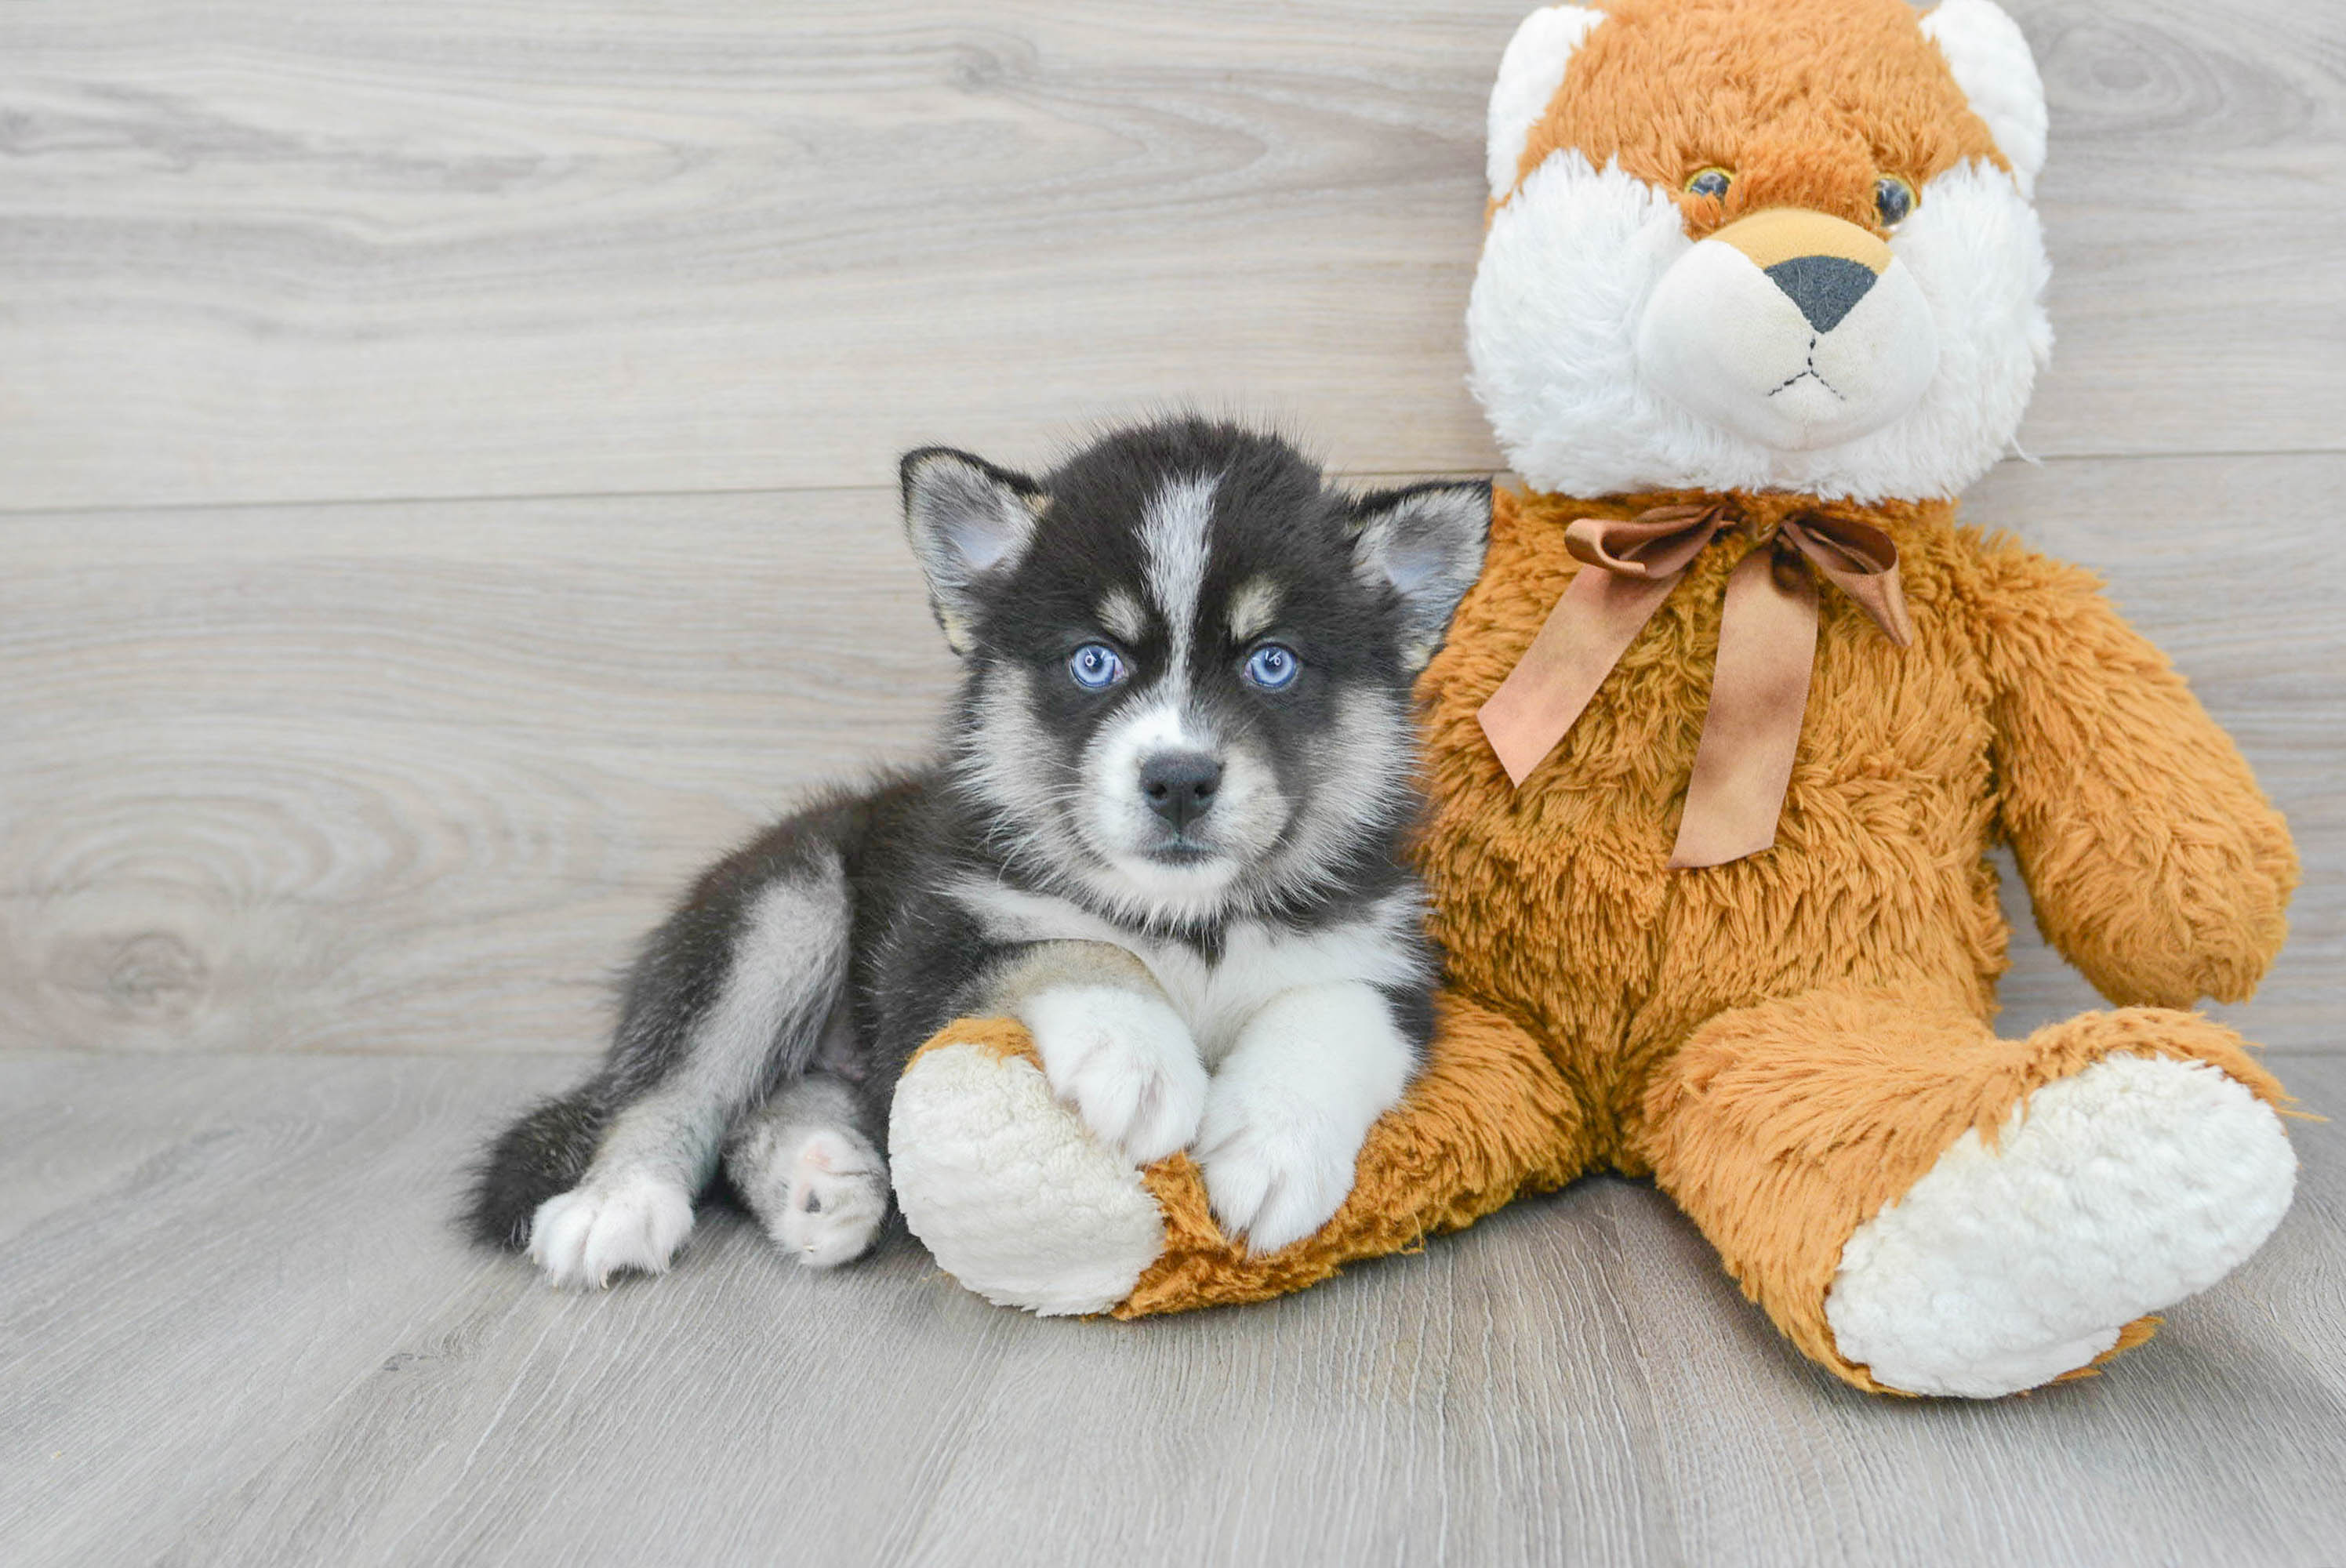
1168	834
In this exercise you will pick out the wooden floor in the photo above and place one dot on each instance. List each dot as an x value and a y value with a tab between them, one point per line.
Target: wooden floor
443	500
238	1331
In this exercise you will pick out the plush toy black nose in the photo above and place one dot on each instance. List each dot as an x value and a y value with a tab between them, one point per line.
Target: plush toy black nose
1825	287
1180	785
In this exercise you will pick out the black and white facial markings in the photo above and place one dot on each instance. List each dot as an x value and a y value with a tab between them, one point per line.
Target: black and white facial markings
1191	688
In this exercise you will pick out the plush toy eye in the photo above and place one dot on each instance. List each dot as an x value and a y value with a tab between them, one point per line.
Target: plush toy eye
1711	182
1271	667
1096	667
1894	199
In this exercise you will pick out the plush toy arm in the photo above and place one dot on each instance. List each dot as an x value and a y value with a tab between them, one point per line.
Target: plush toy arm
2157	864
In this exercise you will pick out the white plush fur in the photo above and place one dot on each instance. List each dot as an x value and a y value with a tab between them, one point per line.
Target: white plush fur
1125	1060
2110	1194
1574	260
1578	257
1010	1194
1529	71
1289	1107
1991	64
1722	340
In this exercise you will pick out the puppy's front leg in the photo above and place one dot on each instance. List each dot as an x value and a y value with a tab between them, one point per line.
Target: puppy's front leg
1111	1043
1290	1105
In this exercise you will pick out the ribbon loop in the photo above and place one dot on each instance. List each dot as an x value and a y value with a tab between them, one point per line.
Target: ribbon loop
1767	652
1658	543
1862	561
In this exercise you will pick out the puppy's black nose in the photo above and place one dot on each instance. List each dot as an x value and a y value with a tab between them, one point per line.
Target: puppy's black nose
1180	785
1825	287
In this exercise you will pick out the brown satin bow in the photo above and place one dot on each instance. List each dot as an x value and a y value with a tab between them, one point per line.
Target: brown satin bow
1766	645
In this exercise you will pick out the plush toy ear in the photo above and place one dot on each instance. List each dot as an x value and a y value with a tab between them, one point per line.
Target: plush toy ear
1991	64
1426	543
1529	73
968	521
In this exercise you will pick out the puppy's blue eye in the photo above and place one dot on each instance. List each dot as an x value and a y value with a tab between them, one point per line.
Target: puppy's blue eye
1271	667
1096	667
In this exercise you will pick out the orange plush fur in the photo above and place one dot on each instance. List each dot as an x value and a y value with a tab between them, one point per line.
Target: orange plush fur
1788	1041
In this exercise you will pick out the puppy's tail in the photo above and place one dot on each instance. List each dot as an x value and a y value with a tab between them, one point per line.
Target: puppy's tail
540	1156
729	1000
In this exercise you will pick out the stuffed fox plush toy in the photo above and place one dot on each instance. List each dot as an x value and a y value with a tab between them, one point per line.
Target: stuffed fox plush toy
1720	743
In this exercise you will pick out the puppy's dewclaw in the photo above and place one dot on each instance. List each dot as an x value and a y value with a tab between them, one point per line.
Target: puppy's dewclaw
1164	833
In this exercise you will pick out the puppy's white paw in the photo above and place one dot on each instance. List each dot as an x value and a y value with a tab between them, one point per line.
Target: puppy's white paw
1125	1061
585	1236
834	1194
1277	1165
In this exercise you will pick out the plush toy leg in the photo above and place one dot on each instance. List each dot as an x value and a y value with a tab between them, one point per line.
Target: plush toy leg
1018	1201
1005	1186
1925	1209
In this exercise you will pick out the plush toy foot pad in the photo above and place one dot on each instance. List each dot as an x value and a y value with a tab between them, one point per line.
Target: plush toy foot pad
2109	1194
1008	1189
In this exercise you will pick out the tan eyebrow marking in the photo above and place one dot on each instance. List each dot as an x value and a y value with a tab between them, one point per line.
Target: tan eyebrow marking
1253	608
1121	614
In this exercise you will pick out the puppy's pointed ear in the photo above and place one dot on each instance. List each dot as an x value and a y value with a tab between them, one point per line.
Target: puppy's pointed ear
968	522
1425	543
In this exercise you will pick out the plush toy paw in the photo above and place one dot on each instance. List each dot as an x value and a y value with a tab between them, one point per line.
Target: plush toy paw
2110	1194
1125	1061
1276	1168
585	1236
819	1192
1009	1190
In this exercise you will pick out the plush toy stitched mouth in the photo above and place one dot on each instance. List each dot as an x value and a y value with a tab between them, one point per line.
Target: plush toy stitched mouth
1791	328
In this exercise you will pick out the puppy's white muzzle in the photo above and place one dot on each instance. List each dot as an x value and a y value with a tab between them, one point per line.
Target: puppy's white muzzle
1792	329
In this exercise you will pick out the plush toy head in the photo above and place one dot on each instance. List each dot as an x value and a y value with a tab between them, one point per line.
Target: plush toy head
1761	244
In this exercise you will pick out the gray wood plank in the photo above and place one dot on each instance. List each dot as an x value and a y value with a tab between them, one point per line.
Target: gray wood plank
433	768
266	1347
265	249
2239	1396
207	1253
415	778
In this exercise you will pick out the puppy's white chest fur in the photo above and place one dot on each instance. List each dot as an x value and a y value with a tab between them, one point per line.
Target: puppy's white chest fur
1258	960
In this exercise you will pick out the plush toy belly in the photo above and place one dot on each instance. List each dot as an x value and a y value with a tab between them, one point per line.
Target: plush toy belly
1555	900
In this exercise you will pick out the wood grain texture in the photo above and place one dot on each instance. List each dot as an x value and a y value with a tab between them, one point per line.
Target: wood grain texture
381	778
415	778
270	249
236	1328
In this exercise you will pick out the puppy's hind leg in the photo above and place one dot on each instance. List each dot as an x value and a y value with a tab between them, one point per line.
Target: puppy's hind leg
804	1165
729	997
